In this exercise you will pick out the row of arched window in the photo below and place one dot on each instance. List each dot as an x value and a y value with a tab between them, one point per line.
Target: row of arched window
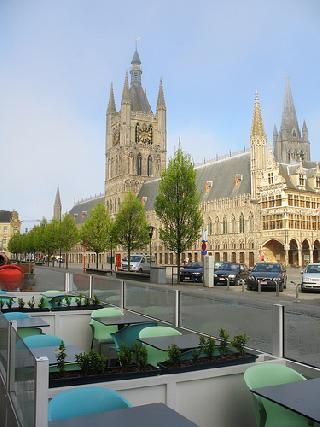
139	165
230	226
134	166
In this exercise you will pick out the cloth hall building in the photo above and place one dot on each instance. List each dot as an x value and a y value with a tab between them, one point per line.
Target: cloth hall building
263	203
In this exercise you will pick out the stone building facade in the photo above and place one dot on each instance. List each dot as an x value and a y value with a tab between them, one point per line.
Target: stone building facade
263	203
9	225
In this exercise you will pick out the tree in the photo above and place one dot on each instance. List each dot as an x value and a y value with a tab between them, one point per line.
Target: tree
68	235
178	205
95	232
131	228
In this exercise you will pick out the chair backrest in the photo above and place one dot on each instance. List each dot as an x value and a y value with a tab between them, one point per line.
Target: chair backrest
106	312
15	315
269	374
81	401
27	332
128	335
44	340
156	356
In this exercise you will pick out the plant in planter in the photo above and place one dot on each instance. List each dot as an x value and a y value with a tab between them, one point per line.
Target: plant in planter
2	304
31	303
79	300
91	363
95	300
61	358
207	346
67	300
21	303
224	338
42	303
125	356
140	355
174	354
87	301
239	342
9	304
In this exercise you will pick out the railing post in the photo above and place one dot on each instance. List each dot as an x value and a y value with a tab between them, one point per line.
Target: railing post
277	288
12	356
123	296
67	282
90	285
178	309
228	283
277	330
259	287
41	392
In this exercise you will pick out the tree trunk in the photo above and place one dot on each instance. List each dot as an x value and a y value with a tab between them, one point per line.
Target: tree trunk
178	266
111	258
67	260
97	260
129	251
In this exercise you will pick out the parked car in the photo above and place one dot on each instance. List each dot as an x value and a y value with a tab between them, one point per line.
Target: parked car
192	272
268	274
232	271
138	263
311	278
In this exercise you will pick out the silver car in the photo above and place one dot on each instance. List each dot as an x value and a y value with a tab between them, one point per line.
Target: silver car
311	278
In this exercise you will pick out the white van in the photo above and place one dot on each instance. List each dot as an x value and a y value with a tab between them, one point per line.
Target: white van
138	263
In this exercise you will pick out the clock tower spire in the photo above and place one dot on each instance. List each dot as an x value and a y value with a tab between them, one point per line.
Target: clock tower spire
135	140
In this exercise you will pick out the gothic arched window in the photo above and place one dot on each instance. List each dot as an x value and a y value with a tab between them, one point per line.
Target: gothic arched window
210	228
217	226
149	166
233	224
241	223
251	222
225	225
139	164
136	135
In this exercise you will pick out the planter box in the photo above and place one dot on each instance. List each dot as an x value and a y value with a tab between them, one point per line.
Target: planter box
25	310
206	363
75	307
75	378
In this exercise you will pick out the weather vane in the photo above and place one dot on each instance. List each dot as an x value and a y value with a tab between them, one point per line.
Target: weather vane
137	40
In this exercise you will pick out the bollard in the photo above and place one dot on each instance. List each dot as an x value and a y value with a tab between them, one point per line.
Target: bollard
259	286
277	288
243	284
228	283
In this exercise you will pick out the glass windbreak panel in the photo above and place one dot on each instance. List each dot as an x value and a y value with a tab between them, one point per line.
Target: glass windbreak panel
155	302
210	315
49	279
4	325
22	382
107	289
80	282
301	335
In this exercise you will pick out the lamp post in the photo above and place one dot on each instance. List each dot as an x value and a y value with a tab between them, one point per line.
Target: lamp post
151	228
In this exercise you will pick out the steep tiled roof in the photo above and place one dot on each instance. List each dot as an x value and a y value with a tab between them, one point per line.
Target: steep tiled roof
5	216
139	101
81	210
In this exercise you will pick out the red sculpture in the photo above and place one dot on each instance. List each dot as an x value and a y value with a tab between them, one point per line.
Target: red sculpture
11	277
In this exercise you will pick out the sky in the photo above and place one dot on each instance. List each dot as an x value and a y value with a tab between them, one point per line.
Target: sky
59	57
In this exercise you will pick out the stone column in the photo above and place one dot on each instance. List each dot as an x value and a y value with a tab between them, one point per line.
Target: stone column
311	255
286	254
299	257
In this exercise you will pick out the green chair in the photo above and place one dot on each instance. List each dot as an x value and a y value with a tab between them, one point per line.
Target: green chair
128	336
269	414
36	341
28	332
154	355
101	333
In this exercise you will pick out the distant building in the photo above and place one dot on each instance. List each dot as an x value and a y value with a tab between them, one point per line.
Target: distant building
261	204
9	225
57	207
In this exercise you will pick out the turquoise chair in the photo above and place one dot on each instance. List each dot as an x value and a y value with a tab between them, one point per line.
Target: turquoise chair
154	355
269	414
128	336
81	401
36	341
101	333
15	315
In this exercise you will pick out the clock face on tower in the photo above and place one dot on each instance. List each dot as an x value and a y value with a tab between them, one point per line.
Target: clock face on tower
144	133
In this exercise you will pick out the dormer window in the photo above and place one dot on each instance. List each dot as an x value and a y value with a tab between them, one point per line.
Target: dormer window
237	179
208	186
270	178
317	181
301	180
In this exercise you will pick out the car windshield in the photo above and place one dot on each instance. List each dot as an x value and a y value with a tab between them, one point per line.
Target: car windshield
229	266
313	268
194	265
267	267
133	258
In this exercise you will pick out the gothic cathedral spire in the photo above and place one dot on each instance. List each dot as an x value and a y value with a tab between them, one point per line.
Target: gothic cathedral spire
258	142
112	103
57	207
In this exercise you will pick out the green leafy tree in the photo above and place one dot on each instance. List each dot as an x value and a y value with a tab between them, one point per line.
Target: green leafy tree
131	227
49	238
95	232
68	235
178	206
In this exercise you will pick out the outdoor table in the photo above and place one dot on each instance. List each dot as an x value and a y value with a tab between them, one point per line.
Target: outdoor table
127	318
301	397
31	322
155	414
51	353
184	342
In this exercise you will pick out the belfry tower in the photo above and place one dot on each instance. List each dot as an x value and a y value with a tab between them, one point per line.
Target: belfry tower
136	139
258	142
290	144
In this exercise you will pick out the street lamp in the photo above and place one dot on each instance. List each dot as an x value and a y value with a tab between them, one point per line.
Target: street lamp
151	228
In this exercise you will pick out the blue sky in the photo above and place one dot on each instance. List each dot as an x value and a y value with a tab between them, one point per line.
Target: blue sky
59	57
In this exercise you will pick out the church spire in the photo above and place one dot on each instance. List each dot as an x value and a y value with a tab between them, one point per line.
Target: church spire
57	207
136	69
289	121
112	103
125	92
161	104
257	128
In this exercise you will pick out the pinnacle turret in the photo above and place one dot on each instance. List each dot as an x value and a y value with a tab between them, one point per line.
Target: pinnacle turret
289	118
125	92
57	207
161	104
136	58
112	103
257	128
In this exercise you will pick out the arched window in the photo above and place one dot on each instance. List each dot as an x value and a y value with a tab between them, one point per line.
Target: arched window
225	225
137	132
149	166
210	228
139	164
217	226
241	224
233	224
251	222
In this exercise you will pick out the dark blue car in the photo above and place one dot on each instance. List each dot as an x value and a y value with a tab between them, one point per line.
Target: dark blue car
192	272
